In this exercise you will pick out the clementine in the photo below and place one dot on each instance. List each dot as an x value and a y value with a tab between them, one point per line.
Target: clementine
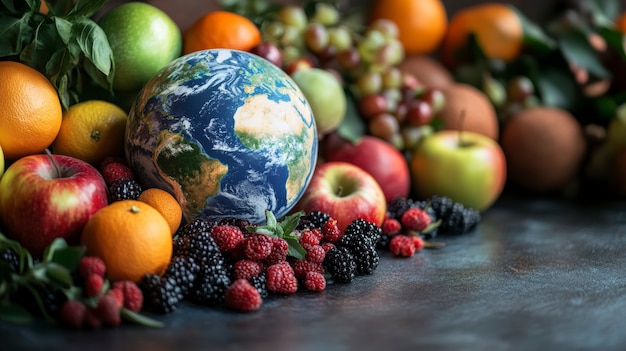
221	29
166	204
31	110
131	237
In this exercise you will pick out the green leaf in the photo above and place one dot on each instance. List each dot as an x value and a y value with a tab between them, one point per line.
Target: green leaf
534	36
86	8
270	219
69	257
57	244
290	222
14	313
59	274
556	88
603	11
93	42
576	49
352	127
137	318
45	43
14	34
295	249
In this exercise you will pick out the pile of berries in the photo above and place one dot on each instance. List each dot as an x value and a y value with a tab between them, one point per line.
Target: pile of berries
120	179
237	265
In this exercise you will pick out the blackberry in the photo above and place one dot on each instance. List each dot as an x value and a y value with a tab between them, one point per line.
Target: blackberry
237	222
160	295
441	205
183	271
366	259
260	283
313	219
460	220
9	258
124	189
210	285
201	247
359	233
197	225
383	242
397	205
339	263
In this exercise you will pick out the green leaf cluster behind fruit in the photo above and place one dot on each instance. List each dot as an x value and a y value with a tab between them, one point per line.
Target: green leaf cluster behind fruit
284	229
65	44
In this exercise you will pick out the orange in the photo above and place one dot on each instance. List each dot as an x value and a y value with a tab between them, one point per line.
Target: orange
221	29
31	110
131	237
421	23
498	30
166	204
91	130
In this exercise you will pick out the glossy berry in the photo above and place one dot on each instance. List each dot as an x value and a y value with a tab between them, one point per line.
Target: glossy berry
315	254
402	246
242	296
257	246
309	238
391	226
93	285
124	189
89	265
281	279
331	231
108	311
115	171
280	250
302	267
72	313
339	263
227	237
160	295
314	281
247	269
415	219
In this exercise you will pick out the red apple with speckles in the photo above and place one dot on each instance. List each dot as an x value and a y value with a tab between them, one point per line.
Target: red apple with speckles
468	167
345	192
379	158
41	200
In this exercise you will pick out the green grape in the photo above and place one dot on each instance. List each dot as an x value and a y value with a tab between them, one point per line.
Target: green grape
293	16
339	38
387	27
368	47
292	36
392	78
316	37
389	55
325	14
273	30
369	83
291	53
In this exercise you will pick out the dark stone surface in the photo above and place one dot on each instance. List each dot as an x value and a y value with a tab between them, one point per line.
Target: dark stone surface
535	275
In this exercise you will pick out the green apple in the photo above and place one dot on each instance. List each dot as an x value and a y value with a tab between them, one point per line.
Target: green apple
325	95
468	167
143	38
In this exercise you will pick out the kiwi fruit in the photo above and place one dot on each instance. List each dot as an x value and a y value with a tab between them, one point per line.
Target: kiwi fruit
428	71
544	148
468	108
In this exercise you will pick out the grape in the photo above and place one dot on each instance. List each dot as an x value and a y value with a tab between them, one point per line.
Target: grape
269	52
316	37
392	78
435	98
383	126
325	14
519	88
419	113
293	16
369	83
410	82
372	105
412	135
387	27
273	30
291	53
349	59
339	38
370	44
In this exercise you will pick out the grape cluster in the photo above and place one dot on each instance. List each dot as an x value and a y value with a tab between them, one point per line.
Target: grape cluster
393	104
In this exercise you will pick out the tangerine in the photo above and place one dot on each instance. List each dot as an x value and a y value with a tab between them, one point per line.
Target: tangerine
31	110
497	28
221	29
421	24
131	237
166	204
91	130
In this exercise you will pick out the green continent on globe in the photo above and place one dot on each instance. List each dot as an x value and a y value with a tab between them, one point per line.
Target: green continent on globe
287	135
184	166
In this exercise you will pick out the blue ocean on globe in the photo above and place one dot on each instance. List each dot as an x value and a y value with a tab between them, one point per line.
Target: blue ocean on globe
228	133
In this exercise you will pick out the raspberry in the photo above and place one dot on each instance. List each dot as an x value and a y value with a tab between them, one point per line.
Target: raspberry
72	313
280	249
308	238
111	159
391	226
227	237
315	254
331	231
314	281
402	245
108	311
118	295
115	171
415	219
257	246
327	246
133	297
302	267
246	269
242	296
91	265
124	189
281	278
93	285
418	242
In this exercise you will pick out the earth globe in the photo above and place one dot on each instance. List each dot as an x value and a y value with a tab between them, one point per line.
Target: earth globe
226	132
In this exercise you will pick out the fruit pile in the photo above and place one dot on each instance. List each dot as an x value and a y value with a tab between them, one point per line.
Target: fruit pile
417	136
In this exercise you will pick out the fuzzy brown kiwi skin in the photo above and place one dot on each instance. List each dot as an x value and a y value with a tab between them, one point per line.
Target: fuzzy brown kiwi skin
428	71
544	148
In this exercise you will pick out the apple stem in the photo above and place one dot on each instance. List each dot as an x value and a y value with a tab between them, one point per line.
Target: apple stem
54	162
339	191
462	125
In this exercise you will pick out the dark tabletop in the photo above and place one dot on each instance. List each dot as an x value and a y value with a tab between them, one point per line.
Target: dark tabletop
537	274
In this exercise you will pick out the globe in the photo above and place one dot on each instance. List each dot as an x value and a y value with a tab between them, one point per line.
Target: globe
226	132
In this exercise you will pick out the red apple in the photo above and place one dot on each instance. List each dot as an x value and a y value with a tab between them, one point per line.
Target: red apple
468	167
41	200
379	158
345	192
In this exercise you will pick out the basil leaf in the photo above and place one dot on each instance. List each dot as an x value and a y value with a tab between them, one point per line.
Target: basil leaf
295	249
59	274
58	243
289	223
12	33
576	49
69	257
93	42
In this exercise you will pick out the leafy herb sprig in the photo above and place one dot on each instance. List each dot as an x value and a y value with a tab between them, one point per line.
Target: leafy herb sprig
284	229
55	270
65	44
